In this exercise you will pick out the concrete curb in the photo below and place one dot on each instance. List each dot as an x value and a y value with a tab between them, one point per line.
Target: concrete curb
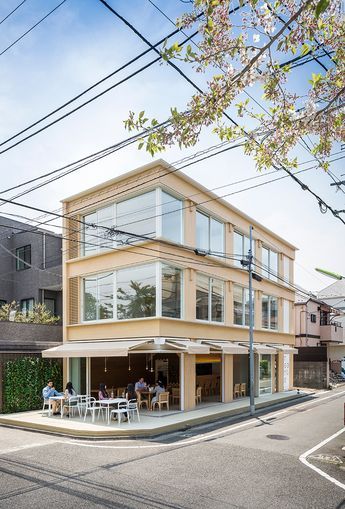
142	433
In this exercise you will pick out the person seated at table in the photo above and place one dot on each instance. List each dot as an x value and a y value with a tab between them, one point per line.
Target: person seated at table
130	392
158	389
102	393
141	385
69	392
49	391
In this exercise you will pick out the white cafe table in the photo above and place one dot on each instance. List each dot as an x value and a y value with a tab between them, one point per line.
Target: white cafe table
56	398
109	402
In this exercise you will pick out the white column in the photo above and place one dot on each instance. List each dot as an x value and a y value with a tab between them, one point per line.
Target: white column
223	379
88	375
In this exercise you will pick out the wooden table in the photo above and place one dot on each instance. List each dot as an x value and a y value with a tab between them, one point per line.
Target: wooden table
149	395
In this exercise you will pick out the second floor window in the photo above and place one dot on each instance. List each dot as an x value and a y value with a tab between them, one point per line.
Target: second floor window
241	305
241	247
209	234
269	312
209	299
269	263
140	291
23	257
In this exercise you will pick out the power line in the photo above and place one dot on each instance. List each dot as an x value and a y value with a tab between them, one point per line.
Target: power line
14	10
32	28
105	78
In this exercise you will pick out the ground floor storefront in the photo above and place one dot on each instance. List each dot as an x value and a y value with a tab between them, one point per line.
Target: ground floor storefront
193	372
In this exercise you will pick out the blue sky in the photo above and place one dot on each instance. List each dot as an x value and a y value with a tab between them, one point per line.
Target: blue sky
82	42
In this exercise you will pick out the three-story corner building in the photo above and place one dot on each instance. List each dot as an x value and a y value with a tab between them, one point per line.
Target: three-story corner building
154	287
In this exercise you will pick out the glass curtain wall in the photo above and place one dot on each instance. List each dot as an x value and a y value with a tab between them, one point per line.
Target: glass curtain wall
99	297
136	292
171	291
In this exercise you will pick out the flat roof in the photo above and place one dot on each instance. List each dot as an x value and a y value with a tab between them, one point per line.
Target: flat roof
183	176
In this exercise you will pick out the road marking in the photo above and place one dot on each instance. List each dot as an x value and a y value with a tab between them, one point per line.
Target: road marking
303	459
23	447
320	399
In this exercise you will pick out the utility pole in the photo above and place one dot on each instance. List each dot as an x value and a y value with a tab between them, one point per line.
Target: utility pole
251	323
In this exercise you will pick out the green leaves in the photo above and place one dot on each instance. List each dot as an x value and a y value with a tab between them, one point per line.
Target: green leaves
315	79
305	49
321	7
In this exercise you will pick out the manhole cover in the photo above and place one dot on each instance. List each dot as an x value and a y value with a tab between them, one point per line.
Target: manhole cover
278	437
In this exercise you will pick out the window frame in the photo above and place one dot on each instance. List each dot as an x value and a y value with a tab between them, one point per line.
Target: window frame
270	297
237	263
158	282
29	299
19	259
210	217
312	317
244	289
266	272
209	299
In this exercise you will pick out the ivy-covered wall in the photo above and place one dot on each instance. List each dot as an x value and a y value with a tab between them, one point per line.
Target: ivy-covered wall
24	379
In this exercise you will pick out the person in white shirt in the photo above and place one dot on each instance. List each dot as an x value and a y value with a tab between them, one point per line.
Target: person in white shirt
158	389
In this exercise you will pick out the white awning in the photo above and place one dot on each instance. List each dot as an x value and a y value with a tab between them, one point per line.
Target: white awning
121	347
94	348
286	348
262	348
226	347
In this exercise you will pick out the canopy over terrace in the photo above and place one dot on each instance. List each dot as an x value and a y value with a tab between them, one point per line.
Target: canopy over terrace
121	348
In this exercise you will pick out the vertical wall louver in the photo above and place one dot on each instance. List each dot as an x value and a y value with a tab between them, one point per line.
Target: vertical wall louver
73	236
73	301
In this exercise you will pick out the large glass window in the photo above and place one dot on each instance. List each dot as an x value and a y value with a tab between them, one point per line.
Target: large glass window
269	312
171	217
137	216
269	263
241	248
241	305
209	234
99	297
265	381
209	299
141	291
151	214
171	291
23	257
136	292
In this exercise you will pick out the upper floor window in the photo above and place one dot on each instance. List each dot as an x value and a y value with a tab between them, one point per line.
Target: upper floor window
313	317
286	270
209	299
141	291
23	257
26	305
209	234
269	263
241	247
241	305
151	214
269	312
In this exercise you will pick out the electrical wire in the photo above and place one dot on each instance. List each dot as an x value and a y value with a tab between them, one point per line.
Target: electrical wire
13	11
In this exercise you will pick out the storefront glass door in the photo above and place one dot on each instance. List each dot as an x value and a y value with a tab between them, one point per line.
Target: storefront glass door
265	380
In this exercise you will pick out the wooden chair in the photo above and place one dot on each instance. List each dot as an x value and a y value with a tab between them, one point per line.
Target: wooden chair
243	390
175	395
141	402
237	390
198	395
163	399
121	392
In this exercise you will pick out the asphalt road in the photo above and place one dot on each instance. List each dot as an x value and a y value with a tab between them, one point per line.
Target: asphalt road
253	463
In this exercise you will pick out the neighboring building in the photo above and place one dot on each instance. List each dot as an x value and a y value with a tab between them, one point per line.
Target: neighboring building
317	332
30	268
164	298
30	272
334	295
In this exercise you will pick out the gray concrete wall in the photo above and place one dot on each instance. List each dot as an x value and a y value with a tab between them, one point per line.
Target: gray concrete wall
311	374
28	337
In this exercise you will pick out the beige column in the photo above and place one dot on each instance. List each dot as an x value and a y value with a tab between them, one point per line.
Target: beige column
189	294
189	381
280	315
190	224
229	241
228	378
292	271
280	371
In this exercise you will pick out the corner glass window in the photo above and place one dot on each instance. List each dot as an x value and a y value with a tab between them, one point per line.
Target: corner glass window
136	216
209	299
98	297
171	291
171	217
23	257
241	248
209	234
136	292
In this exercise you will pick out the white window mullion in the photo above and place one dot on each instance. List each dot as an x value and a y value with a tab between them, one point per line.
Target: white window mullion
158	288
114	244
158	209
115	296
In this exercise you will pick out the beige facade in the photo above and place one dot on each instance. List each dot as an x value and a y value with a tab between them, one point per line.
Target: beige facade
273	294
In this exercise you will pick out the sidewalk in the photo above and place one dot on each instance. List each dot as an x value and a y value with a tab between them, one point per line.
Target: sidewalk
151	423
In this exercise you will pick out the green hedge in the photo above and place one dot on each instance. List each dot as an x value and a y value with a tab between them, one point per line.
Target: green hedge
24	379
